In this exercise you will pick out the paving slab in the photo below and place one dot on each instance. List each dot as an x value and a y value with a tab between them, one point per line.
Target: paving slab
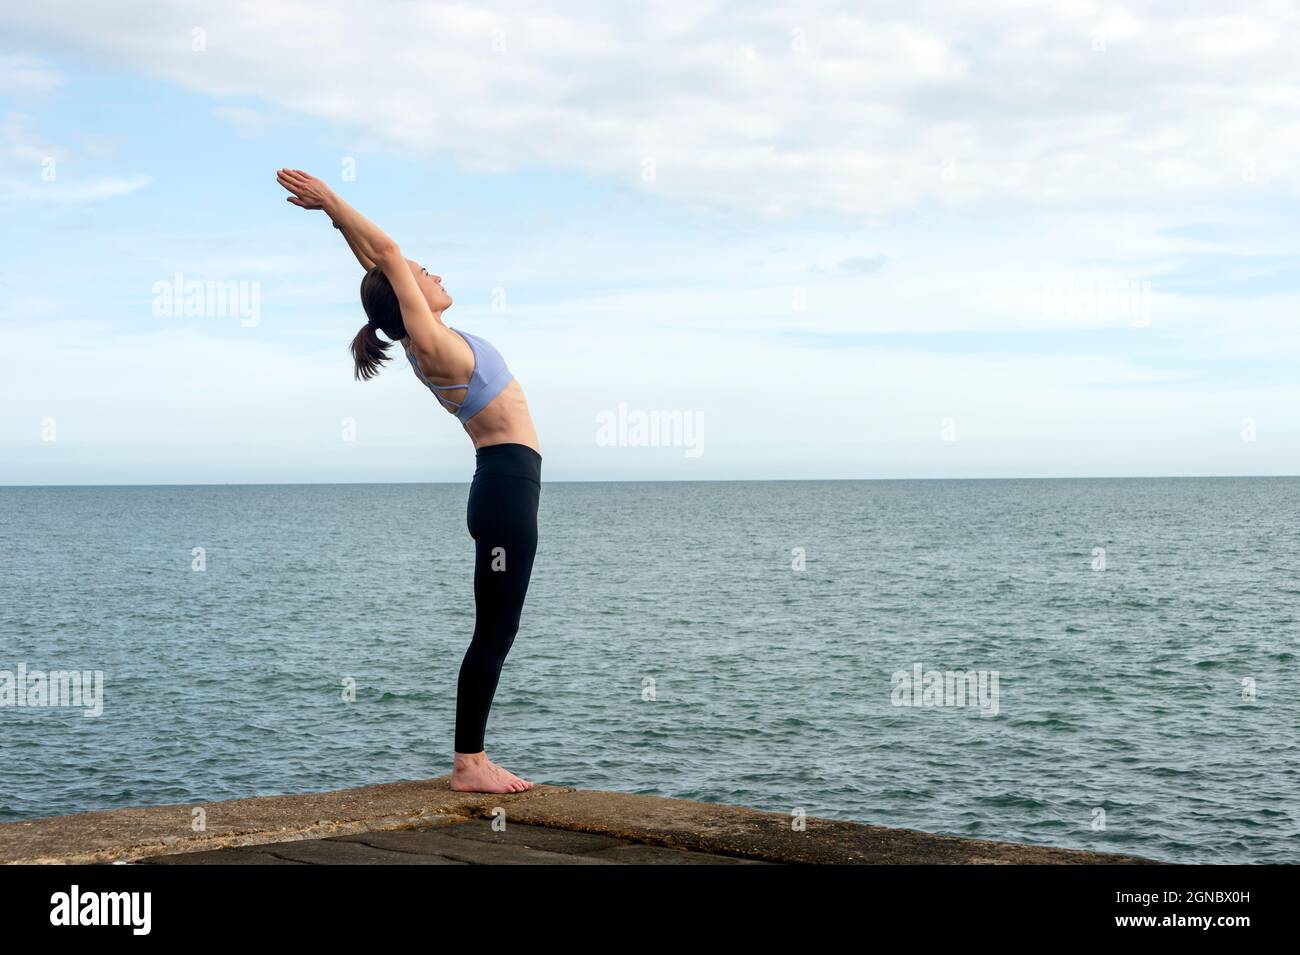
237	855
469	842
474	831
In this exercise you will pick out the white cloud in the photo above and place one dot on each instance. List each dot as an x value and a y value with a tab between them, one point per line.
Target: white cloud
787	109
25	74
32	168
89	190
20	144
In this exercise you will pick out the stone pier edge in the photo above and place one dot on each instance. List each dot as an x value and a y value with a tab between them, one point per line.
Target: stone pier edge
130	834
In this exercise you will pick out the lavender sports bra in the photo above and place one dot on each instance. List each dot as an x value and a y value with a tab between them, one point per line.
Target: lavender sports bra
486	381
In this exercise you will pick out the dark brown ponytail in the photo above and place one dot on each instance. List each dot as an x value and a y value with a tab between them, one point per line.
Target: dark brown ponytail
385	315
368	353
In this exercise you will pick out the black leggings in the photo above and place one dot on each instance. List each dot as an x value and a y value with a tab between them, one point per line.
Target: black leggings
502	518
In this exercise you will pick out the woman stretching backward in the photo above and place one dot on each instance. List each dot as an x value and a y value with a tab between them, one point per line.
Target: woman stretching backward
470	379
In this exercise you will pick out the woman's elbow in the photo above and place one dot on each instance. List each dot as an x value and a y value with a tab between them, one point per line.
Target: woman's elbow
387	253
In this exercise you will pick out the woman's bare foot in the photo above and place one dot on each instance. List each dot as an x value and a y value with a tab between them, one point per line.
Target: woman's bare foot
475	773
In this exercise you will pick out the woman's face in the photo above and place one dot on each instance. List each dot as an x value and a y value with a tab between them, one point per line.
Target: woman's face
431	286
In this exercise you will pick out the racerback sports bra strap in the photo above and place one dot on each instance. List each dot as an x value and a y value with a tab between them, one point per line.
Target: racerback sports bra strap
489	377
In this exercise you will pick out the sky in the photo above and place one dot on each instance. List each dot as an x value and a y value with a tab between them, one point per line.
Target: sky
712	240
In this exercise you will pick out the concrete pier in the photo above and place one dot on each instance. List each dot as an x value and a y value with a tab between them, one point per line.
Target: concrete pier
424	822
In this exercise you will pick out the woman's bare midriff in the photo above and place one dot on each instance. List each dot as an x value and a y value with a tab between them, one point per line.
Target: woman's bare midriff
504	420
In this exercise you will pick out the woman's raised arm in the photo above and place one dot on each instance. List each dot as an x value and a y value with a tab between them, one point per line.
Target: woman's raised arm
366	263
369	243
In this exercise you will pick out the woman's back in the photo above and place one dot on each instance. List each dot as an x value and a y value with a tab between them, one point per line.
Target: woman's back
477	386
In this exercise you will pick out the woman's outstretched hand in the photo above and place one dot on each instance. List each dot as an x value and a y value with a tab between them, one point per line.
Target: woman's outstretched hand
308	191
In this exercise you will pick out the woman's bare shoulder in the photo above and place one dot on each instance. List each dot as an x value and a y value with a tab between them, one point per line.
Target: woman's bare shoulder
450	353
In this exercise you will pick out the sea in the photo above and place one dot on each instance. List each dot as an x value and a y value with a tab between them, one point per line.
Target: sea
1105	664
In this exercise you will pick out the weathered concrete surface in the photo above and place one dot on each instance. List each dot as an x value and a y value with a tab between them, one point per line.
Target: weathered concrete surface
710	827
397	822
128	834
465	842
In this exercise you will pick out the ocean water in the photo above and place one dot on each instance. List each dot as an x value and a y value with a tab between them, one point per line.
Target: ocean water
733	642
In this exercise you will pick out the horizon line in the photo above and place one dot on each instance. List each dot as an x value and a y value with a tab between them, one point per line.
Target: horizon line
1106	477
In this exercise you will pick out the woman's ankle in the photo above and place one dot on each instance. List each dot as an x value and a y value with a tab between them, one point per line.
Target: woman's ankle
470	759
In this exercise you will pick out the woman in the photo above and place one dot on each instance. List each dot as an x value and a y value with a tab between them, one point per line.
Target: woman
470	379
